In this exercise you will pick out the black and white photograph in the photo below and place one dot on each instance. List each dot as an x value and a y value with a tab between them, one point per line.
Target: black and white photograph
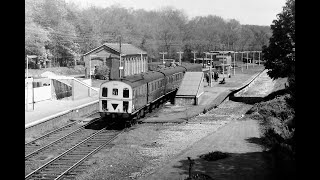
160	90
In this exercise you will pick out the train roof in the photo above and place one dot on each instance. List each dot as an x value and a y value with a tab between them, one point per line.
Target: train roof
142	78
171	70
191	66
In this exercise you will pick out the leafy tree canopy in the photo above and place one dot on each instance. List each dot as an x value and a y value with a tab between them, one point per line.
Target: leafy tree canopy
62	31
279	54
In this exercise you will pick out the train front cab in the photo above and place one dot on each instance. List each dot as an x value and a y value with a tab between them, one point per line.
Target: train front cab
115	100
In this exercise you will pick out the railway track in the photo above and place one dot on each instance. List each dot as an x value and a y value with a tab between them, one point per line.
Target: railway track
63	165
53	137
52	144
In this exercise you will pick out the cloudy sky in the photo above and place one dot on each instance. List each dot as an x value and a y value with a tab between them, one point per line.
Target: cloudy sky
254	12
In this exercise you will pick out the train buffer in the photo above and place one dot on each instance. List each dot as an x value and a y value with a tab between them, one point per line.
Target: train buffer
191	89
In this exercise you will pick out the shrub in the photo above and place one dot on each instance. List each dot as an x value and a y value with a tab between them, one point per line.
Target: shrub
213	156
102	72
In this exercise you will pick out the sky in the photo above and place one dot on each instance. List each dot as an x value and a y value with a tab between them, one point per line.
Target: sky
253	12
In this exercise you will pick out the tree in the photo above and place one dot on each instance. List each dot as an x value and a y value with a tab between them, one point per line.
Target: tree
279	54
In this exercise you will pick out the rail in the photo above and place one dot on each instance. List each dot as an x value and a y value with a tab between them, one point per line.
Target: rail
74	156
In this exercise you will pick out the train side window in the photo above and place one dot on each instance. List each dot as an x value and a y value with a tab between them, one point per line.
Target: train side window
125	92
115	92
104	92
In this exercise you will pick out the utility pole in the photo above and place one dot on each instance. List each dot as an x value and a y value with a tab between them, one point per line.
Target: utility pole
180	56
194	56
120	67
163	53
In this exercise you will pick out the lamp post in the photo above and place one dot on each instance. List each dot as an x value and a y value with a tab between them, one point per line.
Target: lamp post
234	63
180	56
247	59
259	58
194	56
210	68
163	53
27	67
29	56
93	55
253	58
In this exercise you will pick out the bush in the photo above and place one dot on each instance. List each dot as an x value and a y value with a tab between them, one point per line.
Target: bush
82	63
213	156
102	72
277	126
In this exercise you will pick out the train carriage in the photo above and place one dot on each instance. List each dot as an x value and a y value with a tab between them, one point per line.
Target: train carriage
122	98
173	78
135	95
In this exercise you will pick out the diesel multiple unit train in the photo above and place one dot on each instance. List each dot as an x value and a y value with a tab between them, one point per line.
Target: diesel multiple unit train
133	96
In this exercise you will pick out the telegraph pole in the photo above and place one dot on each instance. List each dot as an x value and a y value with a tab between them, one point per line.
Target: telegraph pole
180	56
163	53
194	56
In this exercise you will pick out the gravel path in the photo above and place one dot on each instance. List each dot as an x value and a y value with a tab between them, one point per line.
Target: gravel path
160	151
240	137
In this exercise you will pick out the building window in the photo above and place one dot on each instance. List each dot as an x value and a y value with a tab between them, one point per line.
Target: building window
115	92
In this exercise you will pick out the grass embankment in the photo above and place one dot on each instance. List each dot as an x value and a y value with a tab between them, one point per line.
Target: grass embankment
276	119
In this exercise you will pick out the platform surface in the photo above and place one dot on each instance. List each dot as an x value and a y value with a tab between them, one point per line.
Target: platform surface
48	108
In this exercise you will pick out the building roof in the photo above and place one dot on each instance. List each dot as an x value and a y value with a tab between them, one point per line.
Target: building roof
126	49
191	84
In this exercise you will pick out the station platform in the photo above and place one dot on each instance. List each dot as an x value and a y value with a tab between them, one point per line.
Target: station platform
47	108
212	96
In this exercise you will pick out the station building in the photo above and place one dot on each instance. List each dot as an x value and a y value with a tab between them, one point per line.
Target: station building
133	59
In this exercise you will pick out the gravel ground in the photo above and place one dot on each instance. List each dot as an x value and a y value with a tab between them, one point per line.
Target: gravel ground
146	150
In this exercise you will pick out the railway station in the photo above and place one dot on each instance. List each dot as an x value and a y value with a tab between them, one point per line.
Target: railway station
114	91
81	105
83	98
